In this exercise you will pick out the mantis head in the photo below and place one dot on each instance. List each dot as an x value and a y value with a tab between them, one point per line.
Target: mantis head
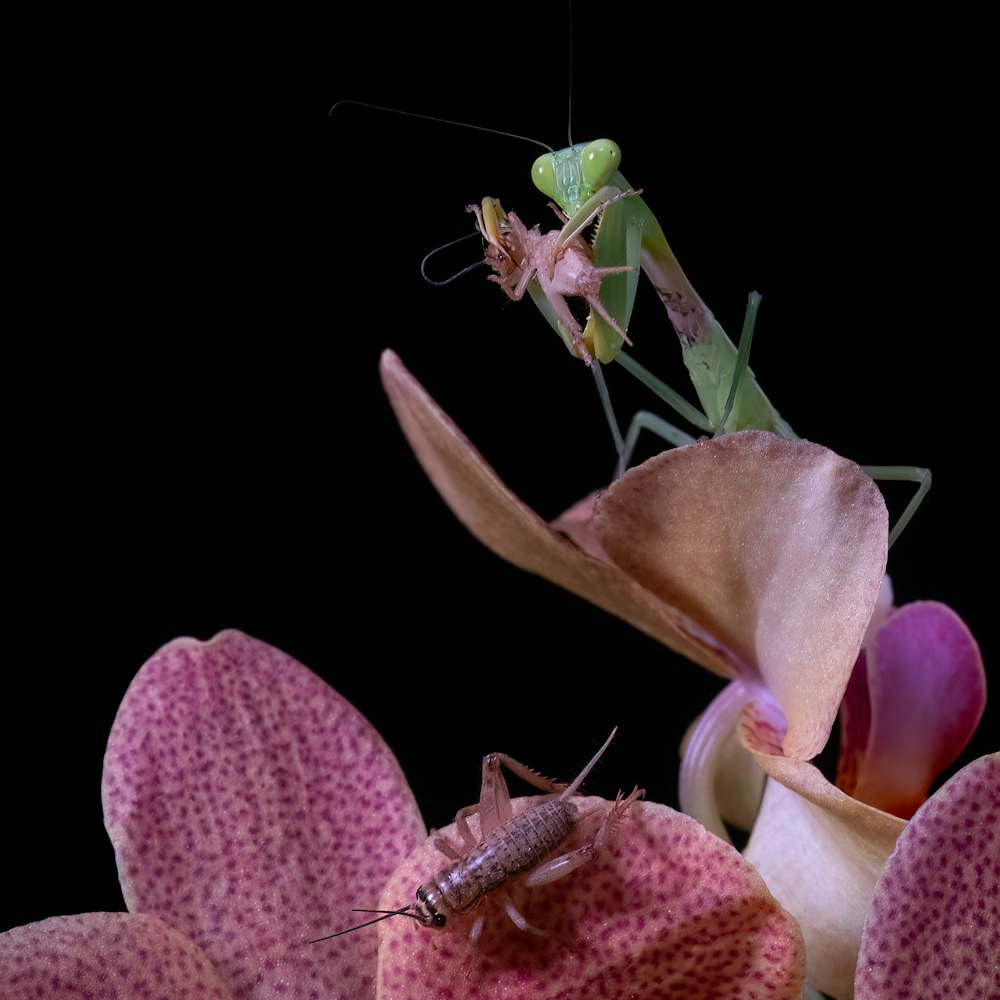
570	176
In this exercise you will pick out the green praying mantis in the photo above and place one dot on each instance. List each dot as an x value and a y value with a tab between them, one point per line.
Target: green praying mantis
589	191
587	188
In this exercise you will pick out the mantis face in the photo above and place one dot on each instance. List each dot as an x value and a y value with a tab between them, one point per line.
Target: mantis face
570	176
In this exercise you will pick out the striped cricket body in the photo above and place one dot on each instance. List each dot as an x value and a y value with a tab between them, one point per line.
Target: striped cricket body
521	847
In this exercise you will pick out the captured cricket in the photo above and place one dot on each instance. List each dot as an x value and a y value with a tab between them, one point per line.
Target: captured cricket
510	849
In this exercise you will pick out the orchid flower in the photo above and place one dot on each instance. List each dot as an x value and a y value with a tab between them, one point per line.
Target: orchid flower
763	560
251	808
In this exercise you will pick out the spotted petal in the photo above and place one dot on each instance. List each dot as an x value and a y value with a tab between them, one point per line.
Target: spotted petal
934	926
250	807
666	910
114	956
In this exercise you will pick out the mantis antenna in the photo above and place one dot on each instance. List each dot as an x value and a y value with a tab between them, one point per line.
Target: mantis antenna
442	121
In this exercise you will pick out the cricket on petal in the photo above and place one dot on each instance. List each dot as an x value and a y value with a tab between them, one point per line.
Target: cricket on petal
509	846
249	804
764	561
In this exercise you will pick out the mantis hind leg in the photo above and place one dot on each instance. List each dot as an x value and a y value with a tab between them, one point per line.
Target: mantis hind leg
645	420
908	474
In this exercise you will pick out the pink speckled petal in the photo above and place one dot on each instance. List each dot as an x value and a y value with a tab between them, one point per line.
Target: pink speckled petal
250	806
500	521
113	956
934	925
820	853
666	910
913	705
774	549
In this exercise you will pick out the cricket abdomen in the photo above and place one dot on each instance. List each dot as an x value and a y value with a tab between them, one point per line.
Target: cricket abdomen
516	846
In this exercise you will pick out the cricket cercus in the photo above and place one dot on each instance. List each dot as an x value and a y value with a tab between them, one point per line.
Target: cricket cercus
520	847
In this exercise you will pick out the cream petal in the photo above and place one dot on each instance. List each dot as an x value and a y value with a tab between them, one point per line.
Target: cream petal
820	853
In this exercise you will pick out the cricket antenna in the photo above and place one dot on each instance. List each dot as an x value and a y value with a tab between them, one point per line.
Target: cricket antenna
404	912
442	121
457	274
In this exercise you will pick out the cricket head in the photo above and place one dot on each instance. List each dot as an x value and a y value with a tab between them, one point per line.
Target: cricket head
430	910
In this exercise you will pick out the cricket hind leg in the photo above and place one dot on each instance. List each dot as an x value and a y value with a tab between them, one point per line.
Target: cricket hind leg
494	806
558	867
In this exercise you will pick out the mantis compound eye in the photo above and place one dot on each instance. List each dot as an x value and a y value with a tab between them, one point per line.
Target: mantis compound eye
543	173
598	161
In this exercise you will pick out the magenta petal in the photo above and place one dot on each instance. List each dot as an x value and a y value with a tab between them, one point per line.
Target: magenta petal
933	929
926	694
250	806
667	910
114	956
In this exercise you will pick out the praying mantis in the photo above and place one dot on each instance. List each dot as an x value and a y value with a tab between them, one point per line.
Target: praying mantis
586	186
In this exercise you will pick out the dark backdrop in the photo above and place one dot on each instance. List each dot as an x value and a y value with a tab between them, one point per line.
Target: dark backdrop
204	267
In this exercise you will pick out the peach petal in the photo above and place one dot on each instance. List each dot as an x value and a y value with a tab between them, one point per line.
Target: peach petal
919	698
114	956
933	929
665	910
820	853
250	806
481	501
775	550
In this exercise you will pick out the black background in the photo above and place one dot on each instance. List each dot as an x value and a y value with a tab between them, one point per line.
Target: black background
204	266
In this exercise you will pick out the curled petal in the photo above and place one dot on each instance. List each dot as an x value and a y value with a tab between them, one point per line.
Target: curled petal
774	553
114	956
250	806
720	781
665	910
933	928
820	853
913	704
500	521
